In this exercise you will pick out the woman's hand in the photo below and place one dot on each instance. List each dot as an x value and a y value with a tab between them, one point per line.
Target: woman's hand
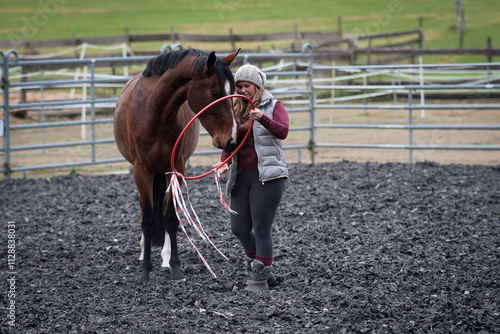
221	168
255	114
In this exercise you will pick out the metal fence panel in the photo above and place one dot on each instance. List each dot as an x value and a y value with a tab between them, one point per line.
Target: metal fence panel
293	78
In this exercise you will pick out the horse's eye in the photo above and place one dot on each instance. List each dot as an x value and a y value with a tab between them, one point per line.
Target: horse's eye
215	93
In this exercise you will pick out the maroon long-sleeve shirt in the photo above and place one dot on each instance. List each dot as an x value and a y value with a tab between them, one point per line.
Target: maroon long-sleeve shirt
278	127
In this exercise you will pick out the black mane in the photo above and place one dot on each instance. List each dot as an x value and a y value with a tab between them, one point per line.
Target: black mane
159	65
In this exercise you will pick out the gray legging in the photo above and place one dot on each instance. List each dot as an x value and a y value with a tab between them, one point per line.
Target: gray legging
256	205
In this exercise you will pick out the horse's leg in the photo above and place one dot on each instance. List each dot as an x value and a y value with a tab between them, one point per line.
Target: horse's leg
143	180
147	236
172	223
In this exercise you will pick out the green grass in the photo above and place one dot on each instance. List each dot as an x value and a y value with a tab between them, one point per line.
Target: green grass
60	19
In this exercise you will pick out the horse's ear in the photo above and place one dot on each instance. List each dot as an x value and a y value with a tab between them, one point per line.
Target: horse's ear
211	61
229	58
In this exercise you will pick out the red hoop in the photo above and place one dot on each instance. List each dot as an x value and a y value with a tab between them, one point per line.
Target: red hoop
172	159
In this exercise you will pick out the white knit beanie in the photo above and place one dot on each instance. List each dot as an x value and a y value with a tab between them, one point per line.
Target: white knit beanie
252	74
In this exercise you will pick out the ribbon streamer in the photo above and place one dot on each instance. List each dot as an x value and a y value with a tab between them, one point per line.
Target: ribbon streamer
180	206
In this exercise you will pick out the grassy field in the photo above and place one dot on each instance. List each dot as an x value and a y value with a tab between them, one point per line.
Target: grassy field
59	19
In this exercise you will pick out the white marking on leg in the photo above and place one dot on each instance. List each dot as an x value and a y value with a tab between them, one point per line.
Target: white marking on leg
166	252
141	257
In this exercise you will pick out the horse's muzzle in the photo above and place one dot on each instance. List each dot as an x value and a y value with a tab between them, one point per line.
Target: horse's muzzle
230	146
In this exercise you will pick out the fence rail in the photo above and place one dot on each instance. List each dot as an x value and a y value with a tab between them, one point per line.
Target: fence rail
294	78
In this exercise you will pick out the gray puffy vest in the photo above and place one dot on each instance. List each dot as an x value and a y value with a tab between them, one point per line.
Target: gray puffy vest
271	158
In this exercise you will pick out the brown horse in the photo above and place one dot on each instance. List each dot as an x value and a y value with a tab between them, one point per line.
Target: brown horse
153	109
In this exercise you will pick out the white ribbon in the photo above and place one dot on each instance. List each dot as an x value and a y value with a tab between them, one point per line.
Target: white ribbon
180	205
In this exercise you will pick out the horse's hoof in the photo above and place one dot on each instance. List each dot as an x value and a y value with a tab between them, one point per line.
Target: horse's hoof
144	277
177	275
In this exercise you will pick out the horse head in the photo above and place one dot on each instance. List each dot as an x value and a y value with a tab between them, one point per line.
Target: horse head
215	81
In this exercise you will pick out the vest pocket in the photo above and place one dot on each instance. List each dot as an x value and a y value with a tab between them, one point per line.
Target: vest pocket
279	150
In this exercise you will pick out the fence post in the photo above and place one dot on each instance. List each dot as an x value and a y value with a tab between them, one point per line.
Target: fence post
75	43
296	37
489	57
173	36
422	91
6	107
369	51
42	110
410	123
4	131
24	78
312	101
364	91
232	39
312	124
334	72
92	110
420	32
394	94
127	36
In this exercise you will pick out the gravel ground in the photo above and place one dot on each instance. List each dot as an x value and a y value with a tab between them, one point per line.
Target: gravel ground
359	248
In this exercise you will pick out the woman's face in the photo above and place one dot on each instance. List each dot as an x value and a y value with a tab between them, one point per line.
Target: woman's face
246	88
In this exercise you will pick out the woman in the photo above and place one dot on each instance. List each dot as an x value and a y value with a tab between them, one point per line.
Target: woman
258	173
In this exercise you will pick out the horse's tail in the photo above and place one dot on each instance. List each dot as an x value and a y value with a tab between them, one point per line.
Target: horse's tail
159	189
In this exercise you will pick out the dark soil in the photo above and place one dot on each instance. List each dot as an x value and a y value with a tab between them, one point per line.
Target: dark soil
359	248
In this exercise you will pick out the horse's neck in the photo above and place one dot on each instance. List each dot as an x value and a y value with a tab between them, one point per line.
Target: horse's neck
169	93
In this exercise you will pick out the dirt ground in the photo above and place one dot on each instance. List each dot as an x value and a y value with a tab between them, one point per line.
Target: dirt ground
359	248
